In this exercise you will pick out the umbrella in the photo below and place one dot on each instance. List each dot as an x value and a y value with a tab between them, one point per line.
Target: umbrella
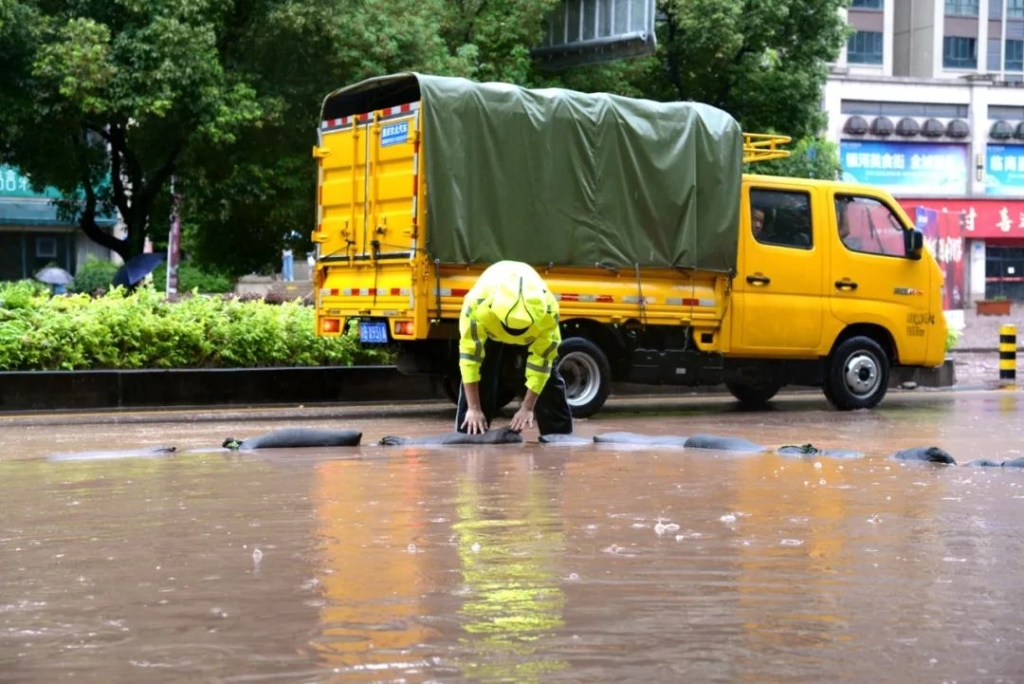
137	268
54	275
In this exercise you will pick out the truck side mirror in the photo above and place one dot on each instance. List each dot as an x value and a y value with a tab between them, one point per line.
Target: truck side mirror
913	243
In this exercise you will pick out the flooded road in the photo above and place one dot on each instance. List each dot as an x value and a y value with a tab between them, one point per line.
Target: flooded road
522	563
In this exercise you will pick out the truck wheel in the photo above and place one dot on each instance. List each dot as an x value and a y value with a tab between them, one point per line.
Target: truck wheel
857	375
753	394
587	375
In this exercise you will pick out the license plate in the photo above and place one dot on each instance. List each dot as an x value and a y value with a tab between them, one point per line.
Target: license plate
373	332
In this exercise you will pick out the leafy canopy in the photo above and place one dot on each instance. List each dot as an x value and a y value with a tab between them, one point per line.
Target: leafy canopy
108	100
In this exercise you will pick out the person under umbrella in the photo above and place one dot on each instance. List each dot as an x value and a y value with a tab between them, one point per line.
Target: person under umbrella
133	271
56	277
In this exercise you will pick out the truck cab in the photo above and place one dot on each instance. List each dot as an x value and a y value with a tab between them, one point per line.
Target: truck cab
834	272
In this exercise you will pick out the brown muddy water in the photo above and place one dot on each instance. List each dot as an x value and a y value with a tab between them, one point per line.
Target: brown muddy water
517	563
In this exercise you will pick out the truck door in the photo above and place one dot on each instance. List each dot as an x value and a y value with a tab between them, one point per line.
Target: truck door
368	184
873	280
780	279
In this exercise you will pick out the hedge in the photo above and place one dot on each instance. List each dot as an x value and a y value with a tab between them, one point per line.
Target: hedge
144	329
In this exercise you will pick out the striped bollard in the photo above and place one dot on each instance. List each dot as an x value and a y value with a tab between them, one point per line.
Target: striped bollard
1008	356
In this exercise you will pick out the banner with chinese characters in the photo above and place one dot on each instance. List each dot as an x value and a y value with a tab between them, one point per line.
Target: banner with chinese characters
1004	170
942	235
980	218
910	168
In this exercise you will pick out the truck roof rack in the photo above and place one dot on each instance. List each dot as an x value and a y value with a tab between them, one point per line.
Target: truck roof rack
764	146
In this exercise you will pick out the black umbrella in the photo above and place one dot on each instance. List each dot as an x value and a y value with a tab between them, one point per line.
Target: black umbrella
137	268
54	275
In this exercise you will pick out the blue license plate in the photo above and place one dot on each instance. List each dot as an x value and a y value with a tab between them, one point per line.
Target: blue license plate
373	332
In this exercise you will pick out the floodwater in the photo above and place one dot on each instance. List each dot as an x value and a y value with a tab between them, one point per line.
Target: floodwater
517	563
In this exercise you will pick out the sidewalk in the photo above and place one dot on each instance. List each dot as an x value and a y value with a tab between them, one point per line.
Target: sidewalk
976	353
982	332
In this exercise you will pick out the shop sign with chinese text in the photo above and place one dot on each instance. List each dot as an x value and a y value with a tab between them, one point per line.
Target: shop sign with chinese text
908	168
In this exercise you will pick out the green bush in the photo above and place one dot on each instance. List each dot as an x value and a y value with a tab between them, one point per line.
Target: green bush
191	278
144	330
94	274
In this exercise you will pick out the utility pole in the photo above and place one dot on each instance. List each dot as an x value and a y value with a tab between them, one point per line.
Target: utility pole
174	242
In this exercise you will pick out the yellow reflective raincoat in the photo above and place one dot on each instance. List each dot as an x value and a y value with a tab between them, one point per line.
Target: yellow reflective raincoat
511	304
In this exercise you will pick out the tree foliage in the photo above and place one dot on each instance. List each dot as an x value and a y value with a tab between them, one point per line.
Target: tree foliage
809	158
763	62
107	100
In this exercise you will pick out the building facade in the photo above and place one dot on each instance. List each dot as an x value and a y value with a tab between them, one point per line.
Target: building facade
927	100
32	236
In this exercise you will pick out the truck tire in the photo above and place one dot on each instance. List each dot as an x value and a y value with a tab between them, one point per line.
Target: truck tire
587	374
753	394
857	375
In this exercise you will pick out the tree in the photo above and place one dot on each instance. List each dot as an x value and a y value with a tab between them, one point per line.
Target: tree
763	62
104	101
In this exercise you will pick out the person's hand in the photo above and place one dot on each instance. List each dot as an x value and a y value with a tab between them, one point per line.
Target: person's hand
475	423
522	419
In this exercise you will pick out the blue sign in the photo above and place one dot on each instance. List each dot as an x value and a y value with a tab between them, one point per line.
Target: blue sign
394	134
1004	170
908	168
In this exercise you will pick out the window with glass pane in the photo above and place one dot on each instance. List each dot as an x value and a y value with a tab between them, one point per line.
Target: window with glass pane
959	52
864	47
962	8
866	4
1015	55
1015	9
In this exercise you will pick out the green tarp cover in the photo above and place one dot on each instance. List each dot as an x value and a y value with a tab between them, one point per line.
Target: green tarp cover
562	177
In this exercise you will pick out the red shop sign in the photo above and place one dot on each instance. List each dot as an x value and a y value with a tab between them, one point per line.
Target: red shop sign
979	218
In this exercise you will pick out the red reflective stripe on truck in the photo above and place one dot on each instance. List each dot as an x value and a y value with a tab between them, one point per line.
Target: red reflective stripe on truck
374	292
585	298
689	301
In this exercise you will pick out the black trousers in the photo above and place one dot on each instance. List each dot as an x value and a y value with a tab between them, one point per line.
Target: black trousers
551	412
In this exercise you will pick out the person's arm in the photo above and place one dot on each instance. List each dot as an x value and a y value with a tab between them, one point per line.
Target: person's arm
471	356
475	423
524	414
539	362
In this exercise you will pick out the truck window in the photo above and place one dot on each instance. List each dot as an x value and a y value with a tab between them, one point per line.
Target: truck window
781	218
867	225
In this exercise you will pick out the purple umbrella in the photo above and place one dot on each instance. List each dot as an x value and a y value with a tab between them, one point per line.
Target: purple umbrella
54	275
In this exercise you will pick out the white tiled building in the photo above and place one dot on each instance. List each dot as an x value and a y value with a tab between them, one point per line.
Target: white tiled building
927	99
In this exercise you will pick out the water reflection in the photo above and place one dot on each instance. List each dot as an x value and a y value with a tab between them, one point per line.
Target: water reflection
372	572
509	540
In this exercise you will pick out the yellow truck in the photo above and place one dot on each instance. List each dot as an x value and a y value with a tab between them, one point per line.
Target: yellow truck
670	265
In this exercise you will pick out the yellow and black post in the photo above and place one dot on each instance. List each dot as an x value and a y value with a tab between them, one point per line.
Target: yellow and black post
1008	356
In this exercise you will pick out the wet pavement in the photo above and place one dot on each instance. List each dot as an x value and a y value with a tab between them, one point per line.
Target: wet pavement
517	563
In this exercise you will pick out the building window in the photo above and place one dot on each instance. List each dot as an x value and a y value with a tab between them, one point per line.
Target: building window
868	4
1015	9
962	8
1015	55
918	109
959	53
865	47
46	247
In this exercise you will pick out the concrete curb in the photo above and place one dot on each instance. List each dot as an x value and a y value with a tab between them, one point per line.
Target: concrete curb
179	388
33	391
